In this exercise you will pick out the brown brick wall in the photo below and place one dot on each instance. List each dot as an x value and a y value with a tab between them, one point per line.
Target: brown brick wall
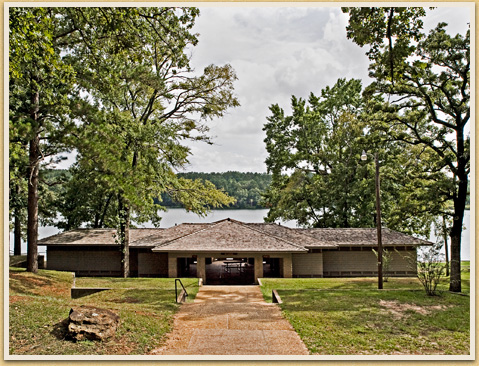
85	261
153	264
363	263
308	264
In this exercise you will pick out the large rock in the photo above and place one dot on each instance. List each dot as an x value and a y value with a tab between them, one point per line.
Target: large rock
88	322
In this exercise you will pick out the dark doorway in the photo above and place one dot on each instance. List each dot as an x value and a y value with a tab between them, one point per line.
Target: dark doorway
272	267
230	271
187	267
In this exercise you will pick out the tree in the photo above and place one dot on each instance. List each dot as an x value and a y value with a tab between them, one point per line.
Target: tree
427	80
39	85
85	200
114	83
18	162
141	101
314	157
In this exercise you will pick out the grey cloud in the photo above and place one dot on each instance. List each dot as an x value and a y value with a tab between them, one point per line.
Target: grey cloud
276	52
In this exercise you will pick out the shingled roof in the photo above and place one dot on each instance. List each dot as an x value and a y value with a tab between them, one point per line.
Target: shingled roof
167	235
293	235
94	237
230	236
361	237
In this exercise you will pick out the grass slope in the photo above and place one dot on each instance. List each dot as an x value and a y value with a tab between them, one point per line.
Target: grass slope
350	316
40	304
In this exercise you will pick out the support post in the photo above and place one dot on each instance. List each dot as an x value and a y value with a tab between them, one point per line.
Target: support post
172	266
201	267
258	267
287	266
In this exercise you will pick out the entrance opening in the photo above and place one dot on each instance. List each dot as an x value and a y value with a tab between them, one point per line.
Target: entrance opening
272	267
187	267
230	271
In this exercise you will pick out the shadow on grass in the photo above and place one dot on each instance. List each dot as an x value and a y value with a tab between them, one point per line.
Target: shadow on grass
27	285
159	300
60	331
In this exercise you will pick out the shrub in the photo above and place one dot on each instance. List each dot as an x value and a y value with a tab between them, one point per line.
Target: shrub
430	268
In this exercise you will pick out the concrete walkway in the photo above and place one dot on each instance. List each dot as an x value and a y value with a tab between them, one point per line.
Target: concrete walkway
231	320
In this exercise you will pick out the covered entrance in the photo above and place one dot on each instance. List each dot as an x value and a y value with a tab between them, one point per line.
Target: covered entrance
230	271
229	253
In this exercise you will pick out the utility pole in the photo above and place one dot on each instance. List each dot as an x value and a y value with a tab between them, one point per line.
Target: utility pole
378	219
378	225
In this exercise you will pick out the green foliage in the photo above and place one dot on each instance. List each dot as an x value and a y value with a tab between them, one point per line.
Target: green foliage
35	66
150	102
430	268
85	199
427	80
40	88
318	177
389	32
116	85
245	188
314	159
138	102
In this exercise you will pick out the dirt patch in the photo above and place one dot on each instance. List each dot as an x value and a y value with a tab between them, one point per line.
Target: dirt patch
31	280
55	291
398	309
16	298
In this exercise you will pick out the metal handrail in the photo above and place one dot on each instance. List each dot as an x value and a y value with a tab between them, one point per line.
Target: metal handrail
176	289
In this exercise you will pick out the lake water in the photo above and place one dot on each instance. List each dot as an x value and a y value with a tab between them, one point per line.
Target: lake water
178	216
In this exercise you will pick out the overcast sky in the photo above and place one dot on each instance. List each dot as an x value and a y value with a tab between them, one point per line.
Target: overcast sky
277	52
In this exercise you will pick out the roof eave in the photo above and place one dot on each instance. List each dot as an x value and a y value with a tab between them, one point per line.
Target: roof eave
228	250
78	244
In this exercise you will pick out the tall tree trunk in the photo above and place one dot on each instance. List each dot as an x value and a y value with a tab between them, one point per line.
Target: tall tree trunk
17	230
124	216
32	207
459	208
105	209
456	231
446	248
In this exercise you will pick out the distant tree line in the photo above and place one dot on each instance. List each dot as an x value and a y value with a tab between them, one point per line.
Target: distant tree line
69	202
246	188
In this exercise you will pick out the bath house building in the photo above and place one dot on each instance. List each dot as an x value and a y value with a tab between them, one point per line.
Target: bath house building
232	252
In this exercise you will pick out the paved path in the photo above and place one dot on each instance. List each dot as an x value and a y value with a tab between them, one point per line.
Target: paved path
231	320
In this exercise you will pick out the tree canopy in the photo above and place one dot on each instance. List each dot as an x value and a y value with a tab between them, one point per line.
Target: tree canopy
318	177
40	83
313	158
425	80
132	100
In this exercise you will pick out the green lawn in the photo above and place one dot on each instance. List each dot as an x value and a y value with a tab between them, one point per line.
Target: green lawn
40	303
350	316
332	316
164	284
